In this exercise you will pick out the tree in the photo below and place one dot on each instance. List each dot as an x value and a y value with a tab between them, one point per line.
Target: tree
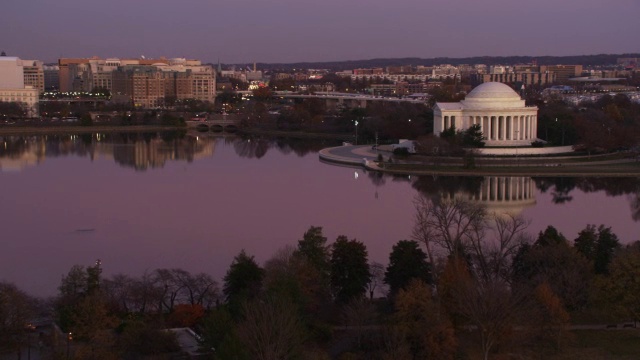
171	288
270	330
263	94
550	259
548	318
140	339
473	137
428	332
550	236
94	278
74	284
185	315
288	274
243	281
80	286
376	282
490	305
349	269
406	262
220	335
16	308
12	109
313	248
621	289
597	245
90	321
448	225
449	134
492	255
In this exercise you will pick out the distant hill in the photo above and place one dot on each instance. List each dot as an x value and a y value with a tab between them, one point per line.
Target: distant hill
590	60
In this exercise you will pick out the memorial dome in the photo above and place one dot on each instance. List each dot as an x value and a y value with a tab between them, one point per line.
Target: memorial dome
493	90
503	116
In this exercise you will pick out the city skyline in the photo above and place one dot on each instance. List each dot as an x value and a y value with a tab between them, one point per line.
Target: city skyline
281	31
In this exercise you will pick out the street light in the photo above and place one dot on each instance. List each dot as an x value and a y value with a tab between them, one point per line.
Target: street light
69	338
356	121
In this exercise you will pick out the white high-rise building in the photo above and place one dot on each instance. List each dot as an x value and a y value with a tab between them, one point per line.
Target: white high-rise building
11	73
12	88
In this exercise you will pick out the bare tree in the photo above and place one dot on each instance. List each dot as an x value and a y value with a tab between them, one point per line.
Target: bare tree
454	227
167	280
271	329
447	225
492	256
489	305
145	294
117	291
376	281
201	290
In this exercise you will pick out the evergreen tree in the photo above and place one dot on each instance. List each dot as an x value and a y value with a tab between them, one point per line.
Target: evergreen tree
313	248
349	269
406	262
242	282
597	245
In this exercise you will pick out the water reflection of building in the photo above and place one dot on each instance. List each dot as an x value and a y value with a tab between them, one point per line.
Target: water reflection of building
502	194
19	163
17	155
138	152
154	153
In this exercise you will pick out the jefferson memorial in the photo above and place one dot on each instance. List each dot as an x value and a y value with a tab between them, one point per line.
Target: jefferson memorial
503	117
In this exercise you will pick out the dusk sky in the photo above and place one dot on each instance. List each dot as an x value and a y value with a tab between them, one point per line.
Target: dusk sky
243	31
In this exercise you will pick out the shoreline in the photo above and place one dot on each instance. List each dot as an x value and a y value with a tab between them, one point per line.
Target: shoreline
45	130
359	156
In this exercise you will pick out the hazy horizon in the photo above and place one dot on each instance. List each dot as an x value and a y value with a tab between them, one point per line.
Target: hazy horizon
288	31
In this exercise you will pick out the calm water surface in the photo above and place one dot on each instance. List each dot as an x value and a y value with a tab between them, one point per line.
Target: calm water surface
145	201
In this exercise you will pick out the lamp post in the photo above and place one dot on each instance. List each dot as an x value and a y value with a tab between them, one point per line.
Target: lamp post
69	338
356	122
376	142
562	125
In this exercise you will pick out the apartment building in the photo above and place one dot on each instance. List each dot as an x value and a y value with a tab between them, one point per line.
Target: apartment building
526	77
142	82
51	77
563	72
33	74
147	86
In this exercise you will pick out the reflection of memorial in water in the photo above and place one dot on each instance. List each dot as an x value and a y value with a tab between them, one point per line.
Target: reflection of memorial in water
501	194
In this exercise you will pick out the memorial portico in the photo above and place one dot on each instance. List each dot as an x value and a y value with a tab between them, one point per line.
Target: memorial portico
502	115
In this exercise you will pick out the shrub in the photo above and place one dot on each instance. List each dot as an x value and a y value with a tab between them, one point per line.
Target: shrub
401	151
537	144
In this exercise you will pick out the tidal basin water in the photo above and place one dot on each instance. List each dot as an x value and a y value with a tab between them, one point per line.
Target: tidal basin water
139	202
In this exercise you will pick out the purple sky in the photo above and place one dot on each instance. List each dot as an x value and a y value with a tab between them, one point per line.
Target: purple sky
301	30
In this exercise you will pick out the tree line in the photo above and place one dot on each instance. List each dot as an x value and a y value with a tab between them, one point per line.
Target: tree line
467	283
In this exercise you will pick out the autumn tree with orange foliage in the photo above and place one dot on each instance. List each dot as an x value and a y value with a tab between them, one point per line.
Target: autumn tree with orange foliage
426	329
549	319
185	315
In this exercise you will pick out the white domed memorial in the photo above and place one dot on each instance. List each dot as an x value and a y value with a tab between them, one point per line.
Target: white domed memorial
502	115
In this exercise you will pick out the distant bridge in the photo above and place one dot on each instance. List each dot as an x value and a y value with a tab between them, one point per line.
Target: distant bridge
335	99
219	124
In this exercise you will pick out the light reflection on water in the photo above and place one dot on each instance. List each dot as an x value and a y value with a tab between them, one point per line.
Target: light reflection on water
145	201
